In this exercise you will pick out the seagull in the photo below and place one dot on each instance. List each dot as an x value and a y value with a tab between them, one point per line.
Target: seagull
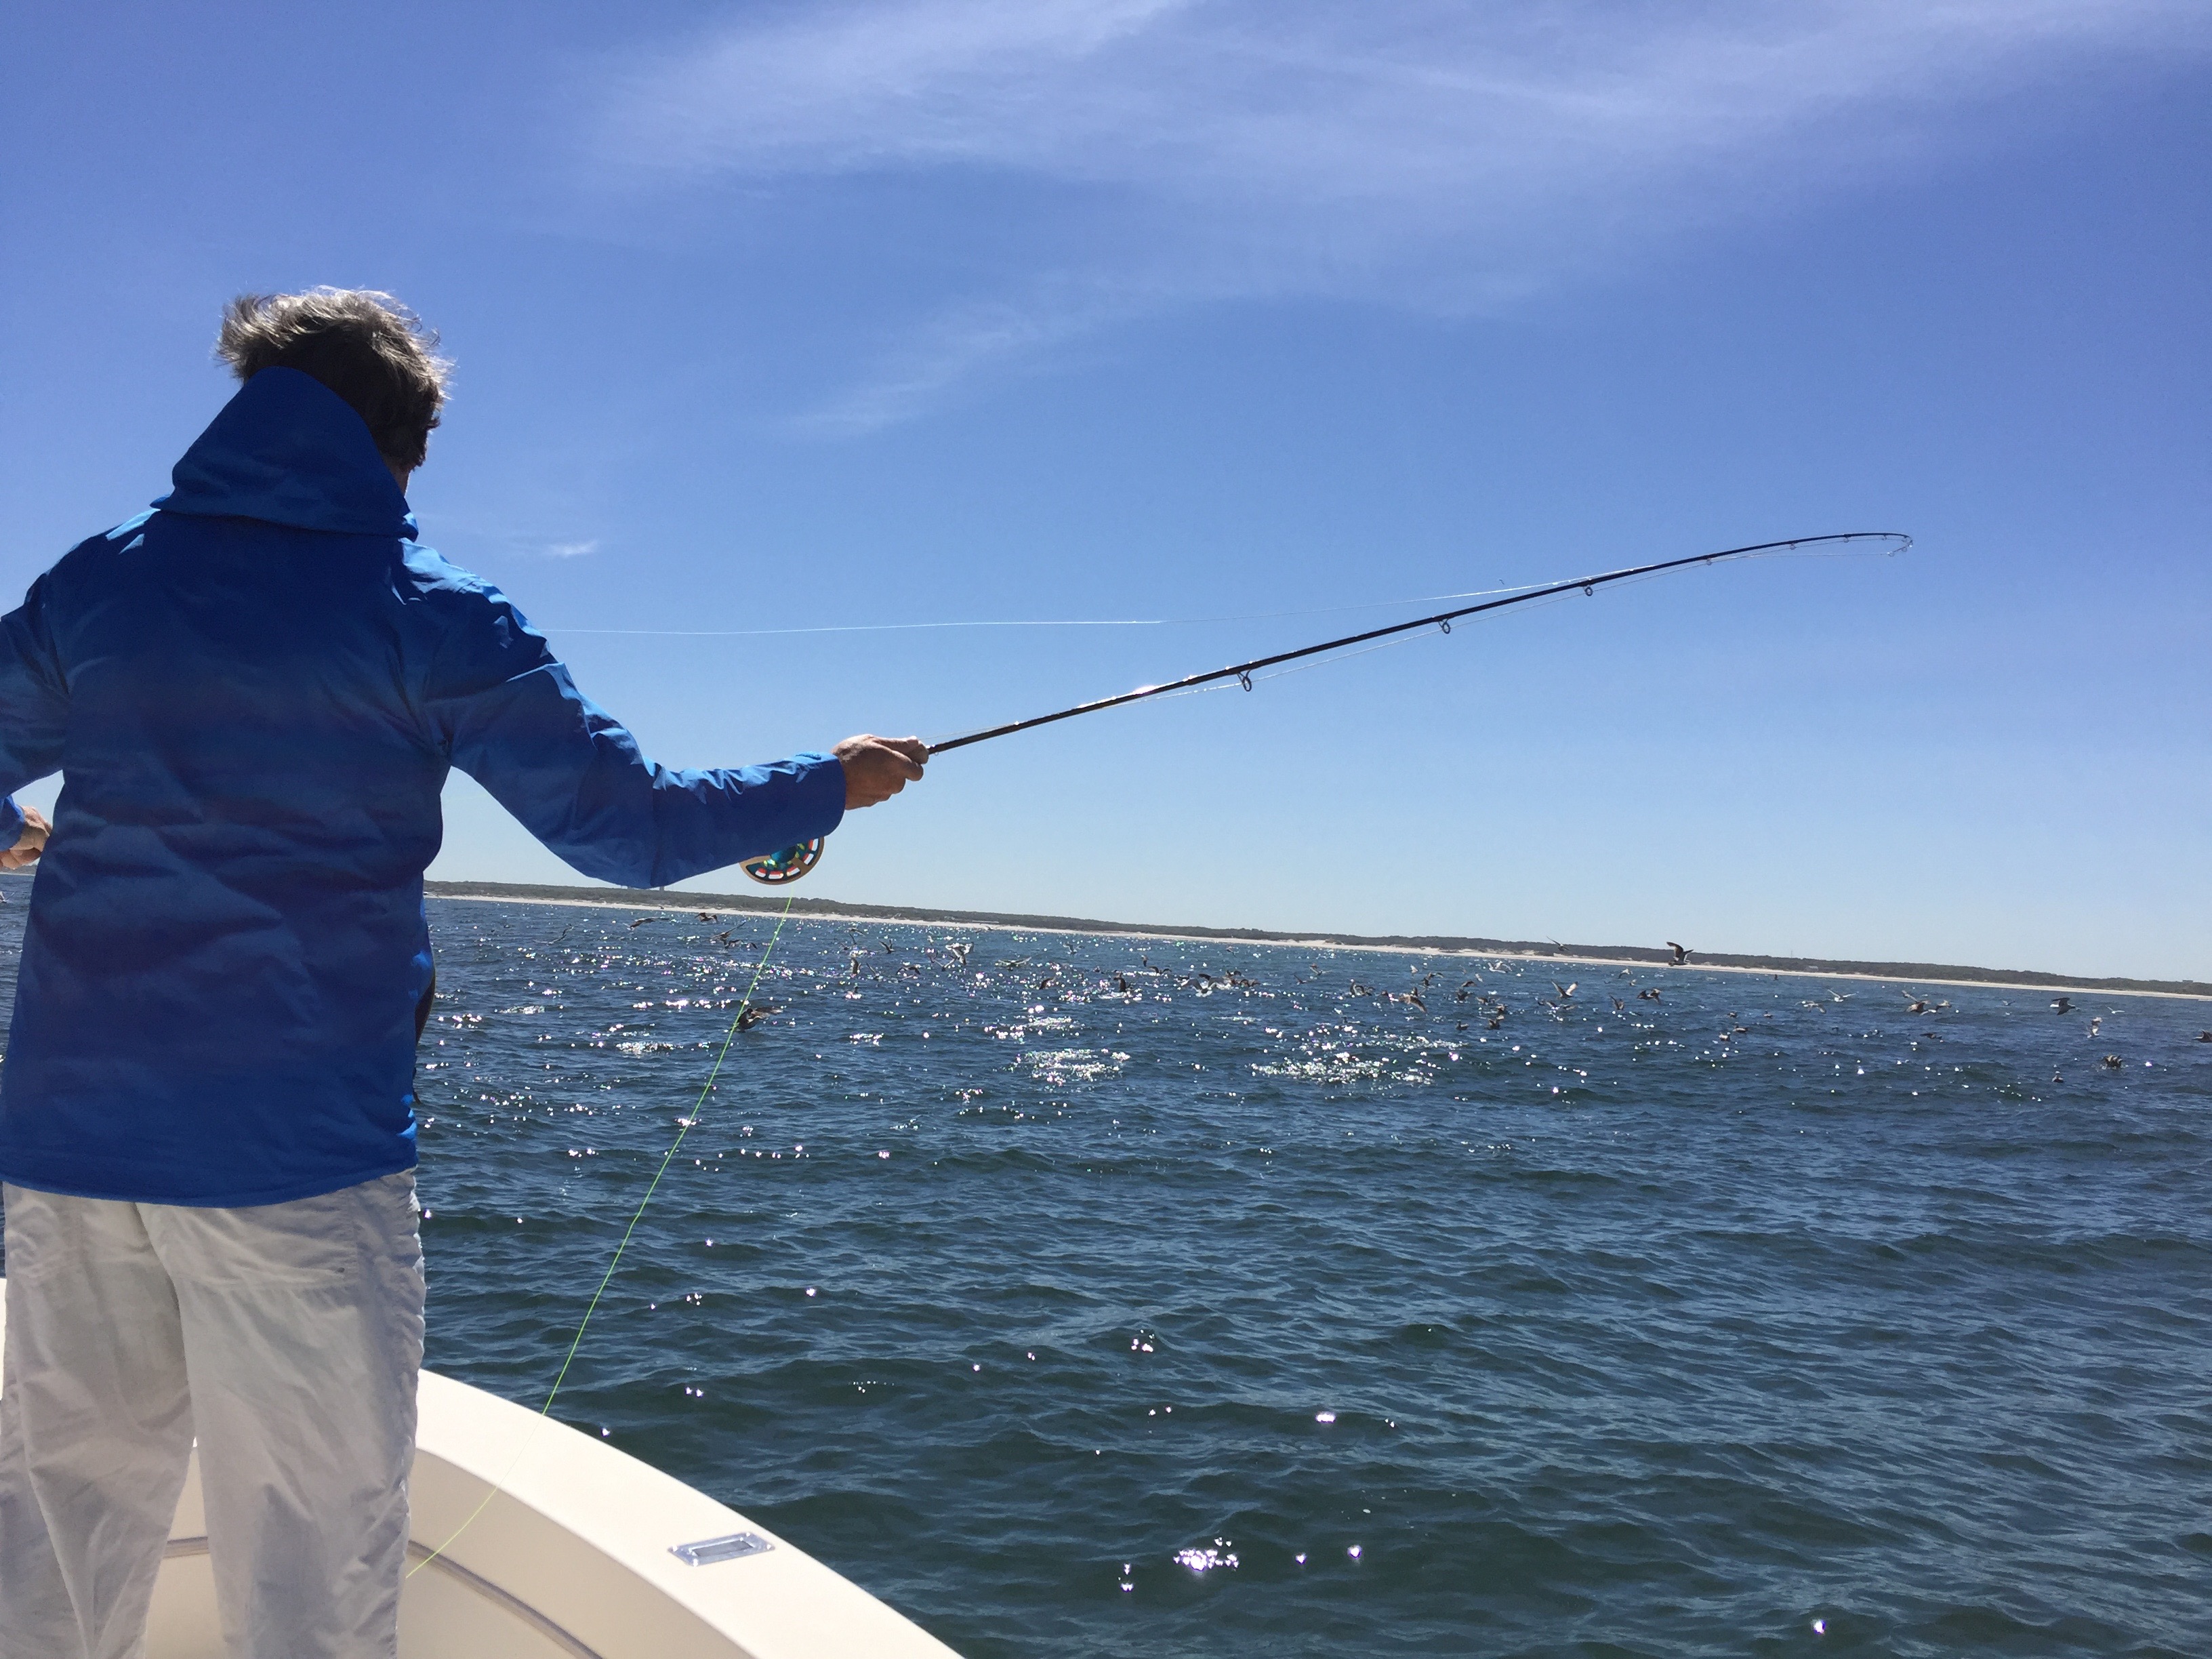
2094	1023
640	922
2062	1005
2112	1061
1918	1005
708	915
1618	1006
2205	1037
750	1016
1681	952
1497	1022
1648	995
1566	991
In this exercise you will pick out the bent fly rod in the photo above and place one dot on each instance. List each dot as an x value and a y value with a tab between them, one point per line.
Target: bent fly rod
774	869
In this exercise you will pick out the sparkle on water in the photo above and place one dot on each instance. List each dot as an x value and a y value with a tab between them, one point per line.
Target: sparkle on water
1762	1312
1759	1312
1760	1316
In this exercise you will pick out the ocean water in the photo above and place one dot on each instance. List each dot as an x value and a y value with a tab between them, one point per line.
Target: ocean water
1093	1296
1102	1297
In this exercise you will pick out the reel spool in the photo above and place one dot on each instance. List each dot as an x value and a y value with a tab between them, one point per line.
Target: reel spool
774	869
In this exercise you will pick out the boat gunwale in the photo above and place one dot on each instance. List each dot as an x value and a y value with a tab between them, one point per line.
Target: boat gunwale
422	1555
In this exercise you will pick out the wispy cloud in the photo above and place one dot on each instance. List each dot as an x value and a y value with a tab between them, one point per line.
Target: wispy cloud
1131	155
1002	331
568	549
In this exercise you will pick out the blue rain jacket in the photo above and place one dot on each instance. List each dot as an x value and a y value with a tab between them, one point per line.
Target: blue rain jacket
254	694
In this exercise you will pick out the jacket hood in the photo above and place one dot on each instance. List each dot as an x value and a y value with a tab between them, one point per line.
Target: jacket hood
288	450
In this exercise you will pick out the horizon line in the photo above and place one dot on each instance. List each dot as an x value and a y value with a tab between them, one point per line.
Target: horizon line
1919	973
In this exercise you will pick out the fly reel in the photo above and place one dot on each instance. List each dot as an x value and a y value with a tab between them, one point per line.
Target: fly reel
774	869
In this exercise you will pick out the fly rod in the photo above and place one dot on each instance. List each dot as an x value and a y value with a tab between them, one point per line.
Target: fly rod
777	868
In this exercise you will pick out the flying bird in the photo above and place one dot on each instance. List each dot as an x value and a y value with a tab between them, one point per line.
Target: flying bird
708	915
1566	991
2062	1005
1648	995
1681	952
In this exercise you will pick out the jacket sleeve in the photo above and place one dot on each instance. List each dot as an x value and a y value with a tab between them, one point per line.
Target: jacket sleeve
34	705
505	712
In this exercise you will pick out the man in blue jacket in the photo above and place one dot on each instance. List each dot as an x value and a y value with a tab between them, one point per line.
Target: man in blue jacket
254	694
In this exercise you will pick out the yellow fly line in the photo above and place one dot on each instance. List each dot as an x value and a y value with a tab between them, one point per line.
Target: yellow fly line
684	1126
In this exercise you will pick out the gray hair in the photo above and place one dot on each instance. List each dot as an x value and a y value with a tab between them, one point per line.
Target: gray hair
362	344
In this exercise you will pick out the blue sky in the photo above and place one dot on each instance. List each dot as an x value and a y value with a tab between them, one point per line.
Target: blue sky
803	316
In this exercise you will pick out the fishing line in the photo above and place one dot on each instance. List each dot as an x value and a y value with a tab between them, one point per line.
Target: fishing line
793	862
684	1126
1107	621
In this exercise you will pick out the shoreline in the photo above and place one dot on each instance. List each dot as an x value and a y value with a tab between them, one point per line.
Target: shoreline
1596	956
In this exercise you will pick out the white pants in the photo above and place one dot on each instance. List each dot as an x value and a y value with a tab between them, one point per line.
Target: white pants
287	1338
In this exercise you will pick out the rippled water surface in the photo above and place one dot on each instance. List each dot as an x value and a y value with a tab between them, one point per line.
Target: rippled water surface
1088	1296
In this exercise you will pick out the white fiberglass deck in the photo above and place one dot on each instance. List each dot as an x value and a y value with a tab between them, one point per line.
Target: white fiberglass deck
572	1559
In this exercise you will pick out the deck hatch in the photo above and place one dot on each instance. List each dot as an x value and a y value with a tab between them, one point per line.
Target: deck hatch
708	1550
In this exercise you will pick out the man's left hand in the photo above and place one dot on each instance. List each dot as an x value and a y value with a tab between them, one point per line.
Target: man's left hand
30	843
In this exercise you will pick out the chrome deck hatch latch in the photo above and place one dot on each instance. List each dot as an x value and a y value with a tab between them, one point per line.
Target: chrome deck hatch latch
708	1550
